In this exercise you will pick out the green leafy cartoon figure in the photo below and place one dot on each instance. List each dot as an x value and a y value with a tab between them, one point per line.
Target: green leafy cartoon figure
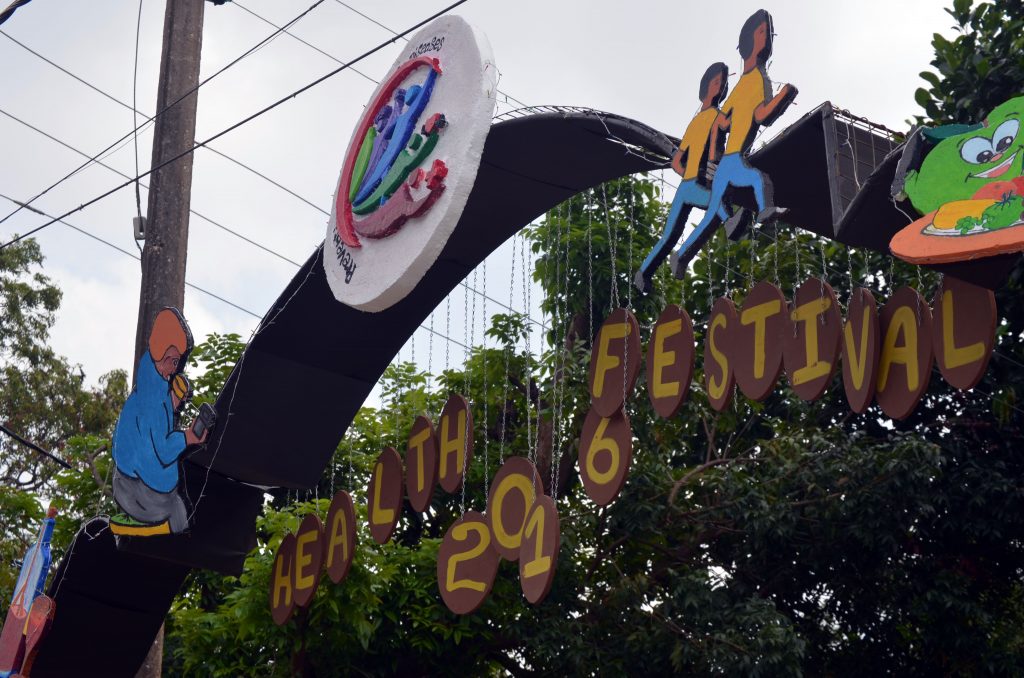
968	187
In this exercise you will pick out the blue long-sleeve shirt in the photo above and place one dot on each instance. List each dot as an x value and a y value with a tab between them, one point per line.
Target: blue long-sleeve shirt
146	446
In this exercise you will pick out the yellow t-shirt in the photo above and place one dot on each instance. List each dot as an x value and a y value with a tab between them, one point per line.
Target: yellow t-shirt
752	90
695	141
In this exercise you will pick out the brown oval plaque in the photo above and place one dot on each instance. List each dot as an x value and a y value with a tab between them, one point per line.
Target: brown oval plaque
538	555
466	563
756	341
719	375
606	449
309	559
282	581
905	355
454	442
860	343
614	361
421	464
810	347
964	331
340	537
515	487
384	495
670	357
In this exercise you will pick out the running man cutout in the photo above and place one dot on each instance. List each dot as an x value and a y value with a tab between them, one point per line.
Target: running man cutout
693	189
749	107
968	187
147	442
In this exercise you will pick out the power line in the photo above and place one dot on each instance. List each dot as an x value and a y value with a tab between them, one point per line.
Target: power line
125	252
235	126
132	108
35	448
307	44
392	31
187	283
122	174
262	43
11	9
226	157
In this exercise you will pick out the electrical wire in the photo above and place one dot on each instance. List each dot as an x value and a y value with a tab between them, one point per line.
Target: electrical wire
392	31
11	9
125	252
255	48
213	150
125	176
304	42
35	448
233	127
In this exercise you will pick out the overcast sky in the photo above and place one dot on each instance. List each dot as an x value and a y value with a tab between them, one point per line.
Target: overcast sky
641	59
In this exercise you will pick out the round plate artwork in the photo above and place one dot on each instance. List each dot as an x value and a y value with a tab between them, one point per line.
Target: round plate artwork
606	450
810	348
340	537
719	376
466	563
963	339
309	559
410	165
282	581
538	555
905	358
454	442
421	464
514	489
860	343
614	361
670	358
755	342
384	495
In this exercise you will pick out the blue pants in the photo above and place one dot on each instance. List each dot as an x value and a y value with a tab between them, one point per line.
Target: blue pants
733	171
689	195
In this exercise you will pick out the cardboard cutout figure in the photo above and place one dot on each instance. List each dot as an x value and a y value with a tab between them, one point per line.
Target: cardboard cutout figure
693	189
147	443
749	106
30	612
968	187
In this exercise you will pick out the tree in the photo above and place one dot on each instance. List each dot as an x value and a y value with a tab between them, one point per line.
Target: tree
980	68
42	397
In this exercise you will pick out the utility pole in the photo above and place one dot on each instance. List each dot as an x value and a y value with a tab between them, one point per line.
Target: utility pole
170	189
170	194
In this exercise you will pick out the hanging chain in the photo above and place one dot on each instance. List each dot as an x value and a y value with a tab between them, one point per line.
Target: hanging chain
849	268
824	276
613	293
590	268
629	235
507	350
430	351
487	393
447	329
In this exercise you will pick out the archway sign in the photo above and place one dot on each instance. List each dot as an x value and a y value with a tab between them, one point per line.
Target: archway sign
412	216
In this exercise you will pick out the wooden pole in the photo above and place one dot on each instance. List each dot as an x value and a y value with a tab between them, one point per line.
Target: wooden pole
170	191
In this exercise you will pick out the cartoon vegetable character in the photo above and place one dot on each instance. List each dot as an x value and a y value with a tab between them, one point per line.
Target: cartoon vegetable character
970	190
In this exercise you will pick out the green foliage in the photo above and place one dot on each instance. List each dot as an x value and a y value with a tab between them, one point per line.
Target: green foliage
775	538
42	398
980	68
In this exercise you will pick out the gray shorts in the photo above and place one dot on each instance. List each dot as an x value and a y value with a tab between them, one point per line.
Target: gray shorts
146	505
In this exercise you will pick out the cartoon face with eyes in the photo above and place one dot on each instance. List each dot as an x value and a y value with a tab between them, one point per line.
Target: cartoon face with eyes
970	190
961	165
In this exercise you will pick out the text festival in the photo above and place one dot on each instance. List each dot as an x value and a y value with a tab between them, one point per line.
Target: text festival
887	357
